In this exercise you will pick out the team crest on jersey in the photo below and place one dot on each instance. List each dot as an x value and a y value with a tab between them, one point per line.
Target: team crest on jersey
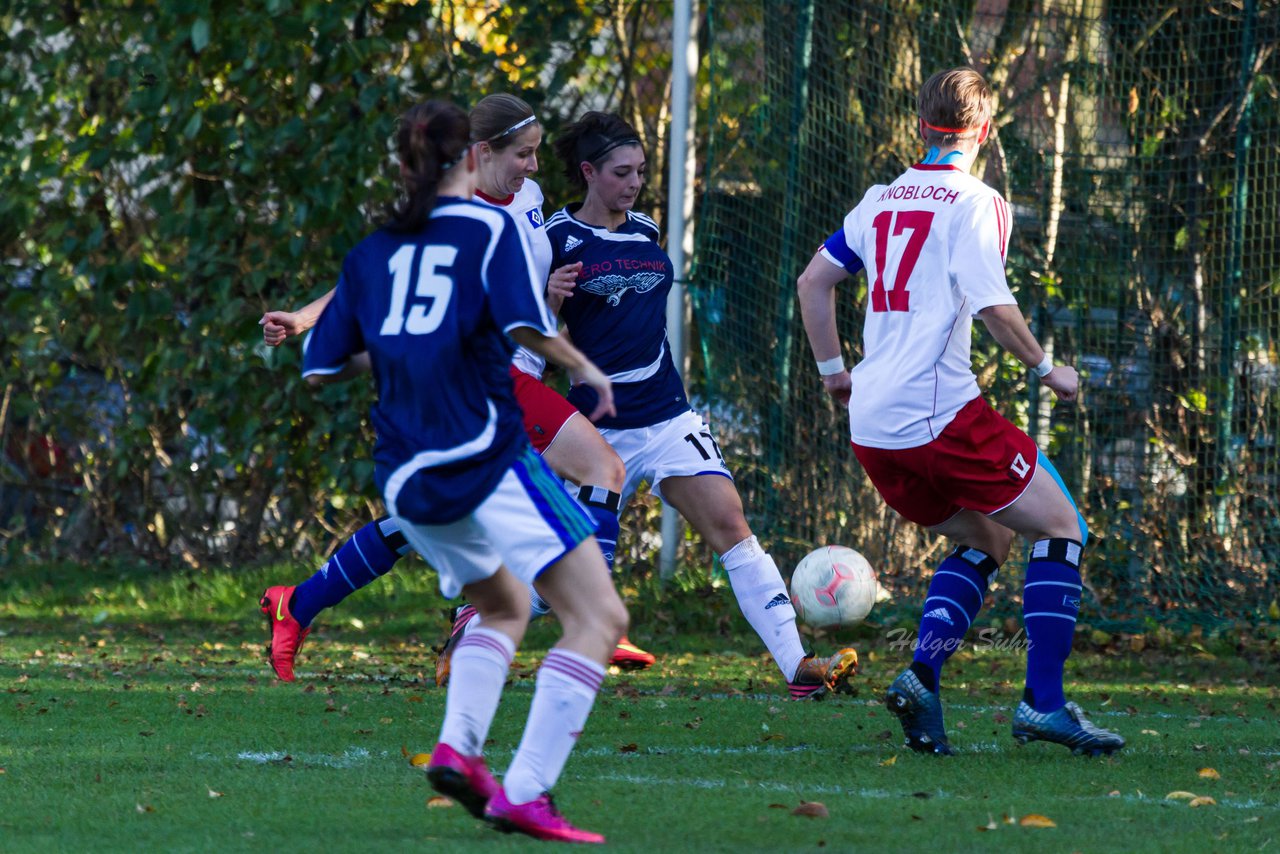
572	243
613	287
535	217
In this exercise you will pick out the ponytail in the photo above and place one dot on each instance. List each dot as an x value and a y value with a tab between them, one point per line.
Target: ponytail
431	139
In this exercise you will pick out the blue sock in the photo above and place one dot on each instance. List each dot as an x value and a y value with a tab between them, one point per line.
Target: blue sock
955	597
603	505
364	558
1050	605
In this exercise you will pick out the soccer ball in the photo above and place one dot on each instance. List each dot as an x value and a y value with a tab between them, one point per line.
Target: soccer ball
833	586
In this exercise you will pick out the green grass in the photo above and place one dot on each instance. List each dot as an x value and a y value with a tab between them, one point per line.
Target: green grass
136	714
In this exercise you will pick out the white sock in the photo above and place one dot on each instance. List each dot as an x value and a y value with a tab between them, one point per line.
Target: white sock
565	690
763	598
477	673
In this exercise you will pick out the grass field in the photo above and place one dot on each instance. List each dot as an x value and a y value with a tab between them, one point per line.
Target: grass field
137	714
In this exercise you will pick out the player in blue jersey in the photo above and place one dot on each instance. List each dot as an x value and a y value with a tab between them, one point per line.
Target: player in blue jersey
933	244
430	300
508	136
616	313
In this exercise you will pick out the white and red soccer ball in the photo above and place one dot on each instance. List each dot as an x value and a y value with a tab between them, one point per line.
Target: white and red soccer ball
833	586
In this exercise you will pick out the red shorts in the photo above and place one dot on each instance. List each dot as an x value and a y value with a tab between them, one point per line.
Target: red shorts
545	412
980	462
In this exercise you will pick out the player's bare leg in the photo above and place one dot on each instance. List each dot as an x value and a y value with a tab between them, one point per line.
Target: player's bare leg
582	595
711	504
480	664
580	454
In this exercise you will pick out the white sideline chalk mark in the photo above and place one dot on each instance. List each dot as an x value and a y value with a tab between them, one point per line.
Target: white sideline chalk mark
350	758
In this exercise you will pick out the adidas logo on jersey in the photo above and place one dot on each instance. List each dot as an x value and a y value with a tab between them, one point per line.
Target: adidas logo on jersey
572	243
940	614
780	599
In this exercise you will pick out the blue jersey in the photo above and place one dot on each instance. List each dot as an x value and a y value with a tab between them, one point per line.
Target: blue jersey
617	315
432	309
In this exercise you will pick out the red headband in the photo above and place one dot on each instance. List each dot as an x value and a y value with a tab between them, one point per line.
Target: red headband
947	130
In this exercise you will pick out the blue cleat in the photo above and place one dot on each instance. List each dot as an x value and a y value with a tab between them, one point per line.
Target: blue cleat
1067	726
920	711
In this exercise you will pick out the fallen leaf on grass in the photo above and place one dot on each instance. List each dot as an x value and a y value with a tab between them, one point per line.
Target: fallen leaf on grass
629	748
888	763
1114	793
144	808
1037	820
438	801
1149	732
811	809
778	806
1208	774
1008	819
1202	801
1181	796
417	760
214	794
990	825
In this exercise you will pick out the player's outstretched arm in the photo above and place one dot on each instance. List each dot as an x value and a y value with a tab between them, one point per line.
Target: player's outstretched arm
556	349
279	325
1007	325
816	288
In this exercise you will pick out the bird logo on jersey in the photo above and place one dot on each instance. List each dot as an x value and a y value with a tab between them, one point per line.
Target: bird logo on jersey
613	287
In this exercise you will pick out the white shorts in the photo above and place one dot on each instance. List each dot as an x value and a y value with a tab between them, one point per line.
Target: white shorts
526	524
679	447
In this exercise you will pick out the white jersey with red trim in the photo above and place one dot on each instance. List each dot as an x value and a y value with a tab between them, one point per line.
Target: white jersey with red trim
933	243
525	207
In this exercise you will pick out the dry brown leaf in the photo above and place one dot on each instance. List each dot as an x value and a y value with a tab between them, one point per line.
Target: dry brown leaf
632	747
1181	796
417	760
1114	793
1202	801
1009	819
888	763
811	809
1037	820
1208	774
778	806
436	802
404	751
144	808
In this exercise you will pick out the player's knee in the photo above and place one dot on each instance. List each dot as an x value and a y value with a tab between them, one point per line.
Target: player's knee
607	470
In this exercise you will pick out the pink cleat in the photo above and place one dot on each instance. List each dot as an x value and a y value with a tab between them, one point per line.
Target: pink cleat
465	779
539	818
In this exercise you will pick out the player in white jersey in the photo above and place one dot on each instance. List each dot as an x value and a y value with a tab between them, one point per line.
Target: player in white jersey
933	244
508	136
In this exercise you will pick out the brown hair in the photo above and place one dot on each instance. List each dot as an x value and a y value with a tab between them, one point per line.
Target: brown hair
953	105
499	119
432	137
590	139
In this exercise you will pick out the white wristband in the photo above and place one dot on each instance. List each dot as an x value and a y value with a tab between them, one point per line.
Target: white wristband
831	367
1046	365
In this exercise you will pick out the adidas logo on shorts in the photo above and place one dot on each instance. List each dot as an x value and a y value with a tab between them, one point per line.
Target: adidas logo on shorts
572	243
940	614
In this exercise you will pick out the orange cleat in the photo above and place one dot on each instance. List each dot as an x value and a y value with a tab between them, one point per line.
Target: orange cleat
286	636
628	656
